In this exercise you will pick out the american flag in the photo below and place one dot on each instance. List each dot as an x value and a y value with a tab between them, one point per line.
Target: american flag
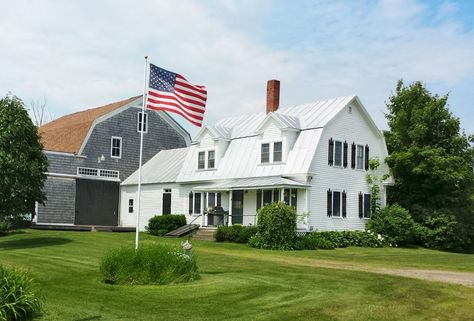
172	92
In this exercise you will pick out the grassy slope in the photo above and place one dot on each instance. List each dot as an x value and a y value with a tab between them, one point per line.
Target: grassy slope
238	283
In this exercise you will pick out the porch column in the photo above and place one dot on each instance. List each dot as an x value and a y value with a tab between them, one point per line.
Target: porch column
308	219
230	208
203	217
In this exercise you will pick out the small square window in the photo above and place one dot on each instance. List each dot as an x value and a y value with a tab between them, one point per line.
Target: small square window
265	153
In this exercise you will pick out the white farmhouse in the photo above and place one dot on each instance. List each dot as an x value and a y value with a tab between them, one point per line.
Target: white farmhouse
313	156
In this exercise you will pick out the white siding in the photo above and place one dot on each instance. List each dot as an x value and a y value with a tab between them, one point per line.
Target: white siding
350	127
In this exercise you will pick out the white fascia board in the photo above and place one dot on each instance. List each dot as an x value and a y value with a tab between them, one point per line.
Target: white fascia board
266	119
105	117
52	152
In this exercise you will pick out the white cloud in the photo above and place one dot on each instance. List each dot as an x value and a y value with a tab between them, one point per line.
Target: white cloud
85	53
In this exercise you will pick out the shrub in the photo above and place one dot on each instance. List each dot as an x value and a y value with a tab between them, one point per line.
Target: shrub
150	264
18	298
440	232
333	239
162	224
276	227
234	233
313	241
5	227
394	223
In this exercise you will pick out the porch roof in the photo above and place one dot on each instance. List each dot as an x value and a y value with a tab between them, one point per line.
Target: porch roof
250	183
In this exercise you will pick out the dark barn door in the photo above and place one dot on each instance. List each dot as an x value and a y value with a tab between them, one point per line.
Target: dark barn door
96	202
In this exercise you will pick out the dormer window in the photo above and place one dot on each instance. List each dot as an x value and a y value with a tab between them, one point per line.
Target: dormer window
271	152
265	153
211	162
201	160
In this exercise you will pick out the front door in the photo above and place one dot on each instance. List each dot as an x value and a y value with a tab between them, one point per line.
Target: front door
166	202
237	207
96	202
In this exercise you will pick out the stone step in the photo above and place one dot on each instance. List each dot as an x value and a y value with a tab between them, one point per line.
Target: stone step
204	234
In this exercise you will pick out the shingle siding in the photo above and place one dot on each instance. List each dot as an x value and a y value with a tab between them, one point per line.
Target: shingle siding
60	206
64	164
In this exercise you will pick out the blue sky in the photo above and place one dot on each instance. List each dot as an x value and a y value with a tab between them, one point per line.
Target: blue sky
81	54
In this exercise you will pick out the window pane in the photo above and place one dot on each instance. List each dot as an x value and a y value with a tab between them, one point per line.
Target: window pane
210	159
130	205
265	153
201	161
360	156
145	122
276	195
190	203
277	152
336	204
197	203
286	196
294	197
338	154
211	199
267	196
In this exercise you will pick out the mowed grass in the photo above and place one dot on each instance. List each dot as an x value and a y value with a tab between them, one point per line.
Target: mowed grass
238	283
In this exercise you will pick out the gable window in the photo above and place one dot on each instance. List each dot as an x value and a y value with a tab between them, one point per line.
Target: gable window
201	160
364	205
265	153
116	147
338	153
130	205
277	151
336	203
360	157
211	159
142	122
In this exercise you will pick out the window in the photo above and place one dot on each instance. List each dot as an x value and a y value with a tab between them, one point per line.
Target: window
265	153
277	151
338	154
360	157
116	147
259	199
130	205
142	122
290	197
213	199
364	205
210	159
267	196
201	160
336	203
194	203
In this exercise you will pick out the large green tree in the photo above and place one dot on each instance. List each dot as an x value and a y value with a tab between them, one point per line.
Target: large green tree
22	162
431	159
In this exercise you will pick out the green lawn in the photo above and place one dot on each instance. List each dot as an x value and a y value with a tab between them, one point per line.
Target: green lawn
239	283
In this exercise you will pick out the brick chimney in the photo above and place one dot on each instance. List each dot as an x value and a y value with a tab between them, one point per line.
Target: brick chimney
273	95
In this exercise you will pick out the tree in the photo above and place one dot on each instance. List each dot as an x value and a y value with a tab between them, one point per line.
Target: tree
22	162
41	115
431	159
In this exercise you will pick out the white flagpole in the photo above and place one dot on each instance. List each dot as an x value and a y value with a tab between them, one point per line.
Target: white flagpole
137	229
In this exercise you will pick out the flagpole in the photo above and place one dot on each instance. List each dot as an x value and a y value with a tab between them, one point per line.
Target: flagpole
137	229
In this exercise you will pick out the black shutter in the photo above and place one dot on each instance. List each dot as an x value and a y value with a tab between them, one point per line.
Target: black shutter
345	155
353	156
361	207
331	152
329	202
366	157
344	202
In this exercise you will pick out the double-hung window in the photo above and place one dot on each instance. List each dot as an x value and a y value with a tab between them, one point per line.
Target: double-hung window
211	161
265	153
277	151
116	147
338	153
271	152
201	160
194	203
360	157
142	122
130	205
364	205
336	203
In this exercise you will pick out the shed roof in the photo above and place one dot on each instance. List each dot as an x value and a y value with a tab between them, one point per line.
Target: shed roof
164	167
67	133
250	183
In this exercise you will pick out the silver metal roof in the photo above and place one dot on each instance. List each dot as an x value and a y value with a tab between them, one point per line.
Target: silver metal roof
250	183
164	167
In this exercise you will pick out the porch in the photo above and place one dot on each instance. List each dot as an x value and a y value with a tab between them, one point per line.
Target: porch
237	201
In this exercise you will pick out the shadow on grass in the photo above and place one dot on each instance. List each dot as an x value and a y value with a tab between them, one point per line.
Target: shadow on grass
32	243
96	317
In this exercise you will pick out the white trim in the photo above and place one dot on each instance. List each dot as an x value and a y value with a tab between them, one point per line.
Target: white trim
271	151
82	176
112	147
63	154
144	121
57	224
61	175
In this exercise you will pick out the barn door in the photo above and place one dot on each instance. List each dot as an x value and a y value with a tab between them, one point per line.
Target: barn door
96	202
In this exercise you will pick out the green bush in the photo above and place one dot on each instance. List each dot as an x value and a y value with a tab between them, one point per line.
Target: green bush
162	224
440	232
234	233
313	241
339	239
276	227
394	223
5	227
150	264
18	298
